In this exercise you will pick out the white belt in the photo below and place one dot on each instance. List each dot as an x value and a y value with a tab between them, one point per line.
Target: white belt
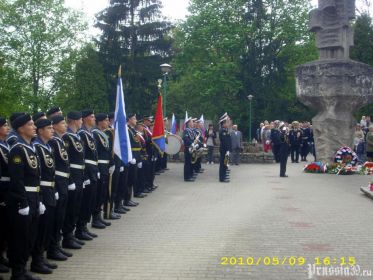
103	161
77	166
91	162
32	189
46	184
5	179
62	174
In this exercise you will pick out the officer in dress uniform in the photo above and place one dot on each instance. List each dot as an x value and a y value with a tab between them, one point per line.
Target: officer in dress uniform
188	139
284	149
225	148
62	175
49	196
136	159
4	188
105	165
275	139
74	147
23	201
91	174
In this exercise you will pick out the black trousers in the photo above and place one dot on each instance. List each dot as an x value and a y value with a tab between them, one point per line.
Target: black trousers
87	205
283	161
59	218
210	154
276	152
164	161
222	167
44	234
102	194
188	172
22	234
294	152
4	232
148	173
304	151
131	182
122	186
74	202
140	181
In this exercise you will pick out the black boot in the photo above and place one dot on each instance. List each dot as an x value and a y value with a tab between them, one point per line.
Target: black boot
49	265
91	234
56	255
70	243
40	267
96	223
106	223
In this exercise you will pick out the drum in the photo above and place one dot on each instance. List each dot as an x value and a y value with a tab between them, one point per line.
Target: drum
174	144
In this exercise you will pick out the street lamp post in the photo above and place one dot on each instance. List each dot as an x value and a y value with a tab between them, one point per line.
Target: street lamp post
165	68
250	97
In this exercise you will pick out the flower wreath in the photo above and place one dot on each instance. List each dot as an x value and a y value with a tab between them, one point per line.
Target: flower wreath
346	156
315	167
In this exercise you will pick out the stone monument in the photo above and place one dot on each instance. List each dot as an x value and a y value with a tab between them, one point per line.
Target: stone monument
334	85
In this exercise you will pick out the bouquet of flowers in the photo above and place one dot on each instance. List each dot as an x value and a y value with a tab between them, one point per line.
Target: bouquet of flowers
367	168
315	167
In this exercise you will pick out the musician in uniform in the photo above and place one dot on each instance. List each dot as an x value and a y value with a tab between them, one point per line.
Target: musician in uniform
188	139
4	188
74	147
62	175
295	139
48	193
106	167
149	181
201	141
225	148
284	149
23	201
135	163
141	166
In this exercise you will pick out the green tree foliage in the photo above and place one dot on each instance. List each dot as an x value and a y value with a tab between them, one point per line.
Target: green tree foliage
134	35
35	36
227	50
363	49
82	85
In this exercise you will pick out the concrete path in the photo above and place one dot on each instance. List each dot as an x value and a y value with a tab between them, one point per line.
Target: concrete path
271	227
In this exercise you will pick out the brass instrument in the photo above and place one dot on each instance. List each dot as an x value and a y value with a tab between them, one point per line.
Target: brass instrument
196	150
226	159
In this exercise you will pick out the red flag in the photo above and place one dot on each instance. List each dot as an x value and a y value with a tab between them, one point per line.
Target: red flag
158	131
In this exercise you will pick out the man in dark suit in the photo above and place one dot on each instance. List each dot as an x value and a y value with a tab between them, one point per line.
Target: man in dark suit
236	144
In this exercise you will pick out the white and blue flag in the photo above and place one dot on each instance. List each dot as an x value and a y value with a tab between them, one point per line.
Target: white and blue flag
122	144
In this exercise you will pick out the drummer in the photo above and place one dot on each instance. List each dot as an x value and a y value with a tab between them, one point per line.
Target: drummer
173	145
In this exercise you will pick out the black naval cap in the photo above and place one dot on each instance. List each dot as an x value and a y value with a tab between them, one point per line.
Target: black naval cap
37	116
101	117
2	121
57	119
87	113
111	115
53	110
74	115
21	121
15	115
131	115
42	123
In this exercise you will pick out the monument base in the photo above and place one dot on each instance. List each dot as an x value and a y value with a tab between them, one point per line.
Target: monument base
336	89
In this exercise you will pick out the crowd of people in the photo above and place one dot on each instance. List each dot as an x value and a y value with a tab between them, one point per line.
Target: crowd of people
300	138
57	175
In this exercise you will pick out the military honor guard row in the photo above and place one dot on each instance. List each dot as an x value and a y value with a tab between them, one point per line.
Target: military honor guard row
58	176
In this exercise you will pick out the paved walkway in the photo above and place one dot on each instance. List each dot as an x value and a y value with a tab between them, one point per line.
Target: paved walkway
184	230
